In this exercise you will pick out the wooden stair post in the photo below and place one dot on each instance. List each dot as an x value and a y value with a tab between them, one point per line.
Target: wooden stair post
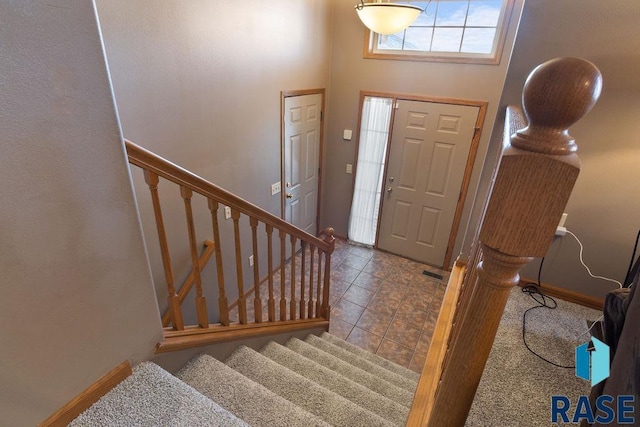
532	186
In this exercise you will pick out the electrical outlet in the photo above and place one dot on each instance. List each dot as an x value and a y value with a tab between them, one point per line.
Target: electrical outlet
251	261
276	188
227	212
561	230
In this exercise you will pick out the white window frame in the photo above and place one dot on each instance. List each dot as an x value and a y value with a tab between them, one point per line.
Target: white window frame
371	50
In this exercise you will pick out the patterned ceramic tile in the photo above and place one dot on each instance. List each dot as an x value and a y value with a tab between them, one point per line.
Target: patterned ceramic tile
340	328
395	352
368	280
410	315
422	346
374	321
403	334
417	362
364	339
354	261
347	311
358	295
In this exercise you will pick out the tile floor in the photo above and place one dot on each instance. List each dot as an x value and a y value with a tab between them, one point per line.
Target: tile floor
384	303
381	302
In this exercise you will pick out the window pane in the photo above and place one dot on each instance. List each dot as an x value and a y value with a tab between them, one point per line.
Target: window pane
418	38
391	41
478	40
427	17
451	13
446	39
484	13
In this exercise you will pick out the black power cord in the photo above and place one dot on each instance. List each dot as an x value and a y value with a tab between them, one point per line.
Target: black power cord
543	301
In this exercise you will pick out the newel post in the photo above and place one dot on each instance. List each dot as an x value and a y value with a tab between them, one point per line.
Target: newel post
537	173
331	241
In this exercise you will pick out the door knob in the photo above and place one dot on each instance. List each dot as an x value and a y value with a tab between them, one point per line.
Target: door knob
391	179
289	196
389	190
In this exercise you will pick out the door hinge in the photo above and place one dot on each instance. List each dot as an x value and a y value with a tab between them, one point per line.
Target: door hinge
396	105
321	116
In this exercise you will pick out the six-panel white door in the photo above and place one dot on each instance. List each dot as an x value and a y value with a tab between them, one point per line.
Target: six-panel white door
302	123
430	145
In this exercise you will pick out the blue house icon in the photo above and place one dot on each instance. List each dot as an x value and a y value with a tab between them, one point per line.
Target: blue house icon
592	363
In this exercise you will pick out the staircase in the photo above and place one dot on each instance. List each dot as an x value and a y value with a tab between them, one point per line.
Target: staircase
320	381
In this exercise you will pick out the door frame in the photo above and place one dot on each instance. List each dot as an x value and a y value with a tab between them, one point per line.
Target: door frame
288	94
473	151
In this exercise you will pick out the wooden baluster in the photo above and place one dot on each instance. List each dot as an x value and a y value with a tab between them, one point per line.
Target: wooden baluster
242	303
283	301
257	301
303	245
532	186
312	249
201	302
319	287
174	303
292	301
271	303
223	305
327	272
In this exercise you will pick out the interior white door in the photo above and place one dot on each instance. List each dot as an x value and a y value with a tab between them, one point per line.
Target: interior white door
430	145
302	124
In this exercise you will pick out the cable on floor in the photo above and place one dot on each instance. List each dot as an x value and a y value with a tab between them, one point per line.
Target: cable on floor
543	301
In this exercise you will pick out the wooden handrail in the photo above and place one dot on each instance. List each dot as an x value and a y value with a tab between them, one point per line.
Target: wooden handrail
147	160
156	167
537	171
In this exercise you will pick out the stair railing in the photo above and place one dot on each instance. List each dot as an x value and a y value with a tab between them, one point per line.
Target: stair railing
310	310
531	186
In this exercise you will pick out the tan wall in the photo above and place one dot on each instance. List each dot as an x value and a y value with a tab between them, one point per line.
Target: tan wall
603	209
199	83
350	74
77	297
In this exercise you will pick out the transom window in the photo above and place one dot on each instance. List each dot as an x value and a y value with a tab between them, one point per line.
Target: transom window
448	30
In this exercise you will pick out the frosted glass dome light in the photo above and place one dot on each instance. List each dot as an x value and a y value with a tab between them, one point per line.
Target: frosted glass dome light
387	18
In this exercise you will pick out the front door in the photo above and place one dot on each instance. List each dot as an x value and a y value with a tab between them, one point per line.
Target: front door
430	145
302	133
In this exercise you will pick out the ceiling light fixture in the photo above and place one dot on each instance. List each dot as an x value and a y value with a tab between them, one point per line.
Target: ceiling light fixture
387	18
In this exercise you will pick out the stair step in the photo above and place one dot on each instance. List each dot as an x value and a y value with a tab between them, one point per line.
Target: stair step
152	396
371	357
372	382
361	363
243	397
358	394
334	409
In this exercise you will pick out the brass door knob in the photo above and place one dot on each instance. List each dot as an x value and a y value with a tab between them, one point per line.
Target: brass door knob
289	196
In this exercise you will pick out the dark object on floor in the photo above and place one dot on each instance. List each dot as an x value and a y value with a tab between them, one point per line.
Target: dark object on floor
435	275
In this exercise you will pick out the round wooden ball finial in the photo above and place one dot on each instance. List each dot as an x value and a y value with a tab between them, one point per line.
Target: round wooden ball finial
557	94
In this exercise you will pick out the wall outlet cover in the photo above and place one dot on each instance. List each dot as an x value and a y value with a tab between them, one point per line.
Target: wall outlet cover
227	212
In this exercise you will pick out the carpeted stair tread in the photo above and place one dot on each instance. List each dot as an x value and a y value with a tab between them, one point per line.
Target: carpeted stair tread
361	363
243	397
371	357
380	386
358	394
312	397
151	396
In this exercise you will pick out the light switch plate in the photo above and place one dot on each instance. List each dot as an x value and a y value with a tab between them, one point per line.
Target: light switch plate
227	212
349	168
276	188
347	134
